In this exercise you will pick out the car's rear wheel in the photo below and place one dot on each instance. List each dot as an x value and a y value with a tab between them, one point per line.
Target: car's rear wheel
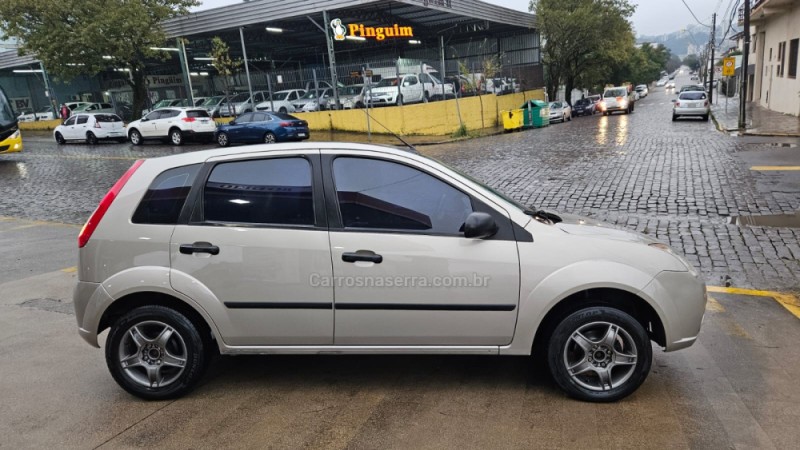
282	110
269	138
599	354
136	137
222	140
175	136
705	117
155	353
674	117
60	139
91	139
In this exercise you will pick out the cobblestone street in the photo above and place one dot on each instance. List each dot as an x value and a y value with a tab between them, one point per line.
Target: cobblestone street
681	182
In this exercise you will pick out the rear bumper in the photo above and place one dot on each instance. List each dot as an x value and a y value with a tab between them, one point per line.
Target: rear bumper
90	301
690	111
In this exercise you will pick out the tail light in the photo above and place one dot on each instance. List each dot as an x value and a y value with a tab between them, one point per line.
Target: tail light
705	103
188	119
105	203
285	124
677	104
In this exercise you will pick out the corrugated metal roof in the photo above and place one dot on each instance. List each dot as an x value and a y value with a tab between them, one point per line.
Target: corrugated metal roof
10	59
416	11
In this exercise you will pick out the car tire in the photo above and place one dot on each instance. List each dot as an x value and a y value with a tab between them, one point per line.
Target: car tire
60	139
599	354
269	138
705	118
135	137
91	139
176	137
283	110
223	140
141	343
674	118
426	97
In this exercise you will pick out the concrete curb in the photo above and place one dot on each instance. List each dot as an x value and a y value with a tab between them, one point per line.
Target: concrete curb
724	129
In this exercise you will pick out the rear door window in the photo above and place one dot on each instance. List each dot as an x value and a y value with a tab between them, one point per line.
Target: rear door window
82	120
264	191
164	199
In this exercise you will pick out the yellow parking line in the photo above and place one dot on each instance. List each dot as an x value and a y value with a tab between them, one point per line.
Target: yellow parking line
714	305
788	301
72	269
768	168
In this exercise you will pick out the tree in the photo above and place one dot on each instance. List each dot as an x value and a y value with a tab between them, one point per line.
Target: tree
692	61
225	66
583	39
79	37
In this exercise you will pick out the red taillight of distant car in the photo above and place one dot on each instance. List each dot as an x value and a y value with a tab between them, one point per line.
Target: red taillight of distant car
705	103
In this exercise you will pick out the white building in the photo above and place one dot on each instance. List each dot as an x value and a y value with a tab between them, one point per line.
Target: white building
774	51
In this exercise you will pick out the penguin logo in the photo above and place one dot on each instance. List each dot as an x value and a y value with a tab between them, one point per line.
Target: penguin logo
338	29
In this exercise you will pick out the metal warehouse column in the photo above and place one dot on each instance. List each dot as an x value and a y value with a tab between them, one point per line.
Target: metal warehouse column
247	69
331	58
187	77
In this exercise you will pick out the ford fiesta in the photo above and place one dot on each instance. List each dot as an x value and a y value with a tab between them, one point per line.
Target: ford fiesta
349	248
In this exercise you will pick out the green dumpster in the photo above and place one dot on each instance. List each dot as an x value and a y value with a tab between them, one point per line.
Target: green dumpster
536	114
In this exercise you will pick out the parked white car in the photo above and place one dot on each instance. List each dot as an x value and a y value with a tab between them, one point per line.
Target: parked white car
661	82
91	128
314	100
167	103
386	92
175	125
282	100
691	103
45	113
75	105
560	112
642	90
241	103
247	251
433	87
352	97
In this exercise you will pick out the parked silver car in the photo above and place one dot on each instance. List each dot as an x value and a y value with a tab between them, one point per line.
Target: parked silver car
352	249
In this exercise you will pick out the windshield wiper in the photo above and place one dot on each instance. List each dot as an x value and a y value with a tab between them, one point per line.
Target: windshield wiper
542	215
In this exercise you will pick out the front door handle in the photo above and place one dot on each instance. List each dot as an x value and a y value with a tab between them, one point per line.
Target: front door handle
362	255
199	247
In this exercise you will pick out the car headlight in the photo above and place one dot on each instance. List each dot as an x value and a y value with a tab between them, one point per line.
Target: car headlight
15	135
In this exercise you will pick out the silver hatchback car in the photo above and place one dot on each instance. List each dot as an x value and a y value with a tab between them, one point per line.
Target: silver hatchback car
348	248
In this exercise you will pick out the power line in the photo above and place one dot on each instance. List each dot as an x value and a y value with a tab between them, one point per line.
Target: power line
695	17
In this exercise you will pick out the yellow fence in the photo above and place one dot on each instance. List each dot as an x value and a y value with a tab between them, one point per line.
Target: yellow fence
435	118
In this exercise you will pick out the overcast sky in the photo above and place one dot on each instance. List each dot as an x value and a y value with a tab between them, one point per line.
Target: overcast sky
652	17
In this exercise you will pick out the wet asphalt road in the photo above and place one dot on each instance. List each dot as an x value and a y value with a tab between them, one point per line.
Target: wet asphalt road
736	388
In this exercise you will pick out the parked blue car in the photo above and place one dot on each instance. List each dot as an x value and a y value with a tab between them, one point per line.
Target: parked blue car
264	127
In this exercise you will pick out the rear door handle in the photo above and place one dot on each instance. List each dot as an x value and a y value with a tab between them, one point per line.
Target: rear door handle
199	247
362	255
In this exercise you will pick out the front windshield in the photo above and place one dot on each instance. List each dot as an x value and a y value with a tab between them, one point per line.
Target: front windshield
555	104
239	98
621	92
350	90
387	82
160	104
510	200
213	101
6	115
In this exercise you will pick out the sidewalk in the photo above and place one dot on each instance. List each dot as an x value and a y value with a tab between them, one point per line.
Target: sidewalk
760	121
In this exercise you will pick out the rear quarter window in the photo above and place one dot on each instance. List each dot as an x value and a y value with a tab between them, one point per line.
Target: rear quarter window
164	199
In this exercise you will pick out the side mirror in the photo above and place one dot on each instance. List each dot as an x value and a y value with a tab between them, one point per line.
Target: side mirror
479	225
144	119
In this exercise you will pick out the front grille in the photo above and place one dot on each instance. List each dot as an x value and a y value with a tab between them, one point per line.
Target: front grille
3	148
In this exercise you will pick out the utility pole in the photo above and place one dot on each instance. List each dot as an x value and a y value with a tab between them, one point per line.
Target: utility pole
713	67
331	58
743	70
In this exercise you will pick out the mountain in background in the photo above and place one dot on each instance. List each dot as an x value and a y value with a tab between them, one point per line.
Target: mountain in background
692	40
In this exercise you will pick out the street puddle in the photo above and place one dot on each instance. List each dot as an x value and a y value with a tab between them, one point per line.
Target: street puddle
774	220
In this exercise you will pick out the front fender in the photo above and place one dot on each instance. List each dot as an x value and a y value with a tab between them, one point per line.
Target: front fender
541	295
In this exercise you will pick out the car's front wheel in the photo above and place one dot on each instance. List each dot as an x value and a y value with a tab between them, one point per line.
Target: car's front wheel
269	138
155	353
599	354
60	138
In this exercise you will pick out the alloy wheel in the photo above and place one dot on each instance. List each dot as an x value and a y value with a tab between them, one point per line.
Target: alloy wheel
152	354
269	138
600	356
